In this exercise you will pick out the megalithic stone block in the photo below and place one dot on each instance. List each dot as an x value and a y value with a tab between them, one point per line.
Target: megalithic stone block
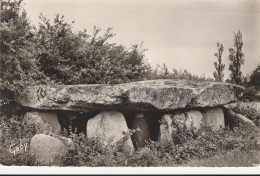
142	133
45	122
171	123
214	117
110	127
156	95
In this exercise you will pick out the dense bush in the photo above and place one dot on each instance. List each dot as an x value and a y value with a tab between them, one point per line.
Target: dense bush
68	57
252	85
186	146
254	78
18	51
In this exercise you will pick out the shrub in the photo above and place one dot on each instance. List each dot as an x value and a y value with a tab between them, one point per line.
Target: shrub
187	146
255	77
14	133
18	52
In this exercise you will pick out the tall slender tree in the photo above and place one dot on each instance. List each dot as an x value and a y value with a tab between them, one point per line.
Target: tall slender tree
219	66
236	56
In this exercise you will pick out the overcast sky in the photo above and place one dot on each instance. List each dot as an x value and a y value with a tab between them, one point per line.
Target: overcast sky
181	33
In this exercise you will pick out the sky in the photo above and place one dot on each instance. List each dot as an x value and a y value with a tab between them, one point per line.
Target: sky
183	34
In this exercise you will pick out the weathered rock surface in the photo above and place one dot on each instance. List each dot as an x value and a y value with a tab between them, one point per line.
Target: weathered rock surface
166	129
143	132
249	109
143	95
110	127
194	120
214	117
48	150
172	123
45	122
239	117
1	135
257	95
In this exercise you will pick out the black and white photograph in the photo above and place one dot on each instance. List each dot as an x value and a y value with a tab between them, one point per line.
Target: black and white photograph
130	86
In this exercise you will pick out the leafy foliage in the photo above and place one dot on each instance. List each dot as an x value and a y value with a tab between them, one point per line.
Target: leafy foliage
218	74
185	147
78	58
236	56
18	63
255	77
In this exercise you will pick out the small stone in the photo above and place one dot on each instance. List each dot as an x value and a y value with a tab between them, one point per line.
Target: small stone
110	127
214	117
48	150
142	134
45	122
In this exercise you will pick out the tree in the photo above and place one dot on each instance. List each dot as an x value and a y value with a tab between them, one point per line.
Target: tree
67	57
18	66
59	49
236	56
255	77
218	74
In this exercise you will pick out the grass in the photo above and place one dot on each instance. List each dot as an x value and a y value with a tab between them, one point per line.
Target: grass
232	158
224	148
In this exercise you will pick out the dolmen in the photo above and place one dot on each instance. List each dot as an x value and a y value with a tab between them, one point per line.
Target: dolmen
132	112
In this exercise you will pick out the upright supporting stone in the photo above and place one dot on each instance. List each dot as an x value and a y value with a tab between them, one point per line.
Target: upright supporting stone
194	120
172	123
166	128
45	122
1	137
214	117
110	127
142	134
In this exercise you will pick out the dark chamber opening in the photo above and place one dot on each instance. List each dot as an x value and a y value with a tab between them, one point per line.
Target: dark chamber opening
152	118
75	121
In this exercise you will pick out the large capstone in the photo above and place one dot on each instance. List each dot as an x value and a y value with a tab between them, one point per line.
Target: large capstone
110	128
44	122
141	96
48	150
